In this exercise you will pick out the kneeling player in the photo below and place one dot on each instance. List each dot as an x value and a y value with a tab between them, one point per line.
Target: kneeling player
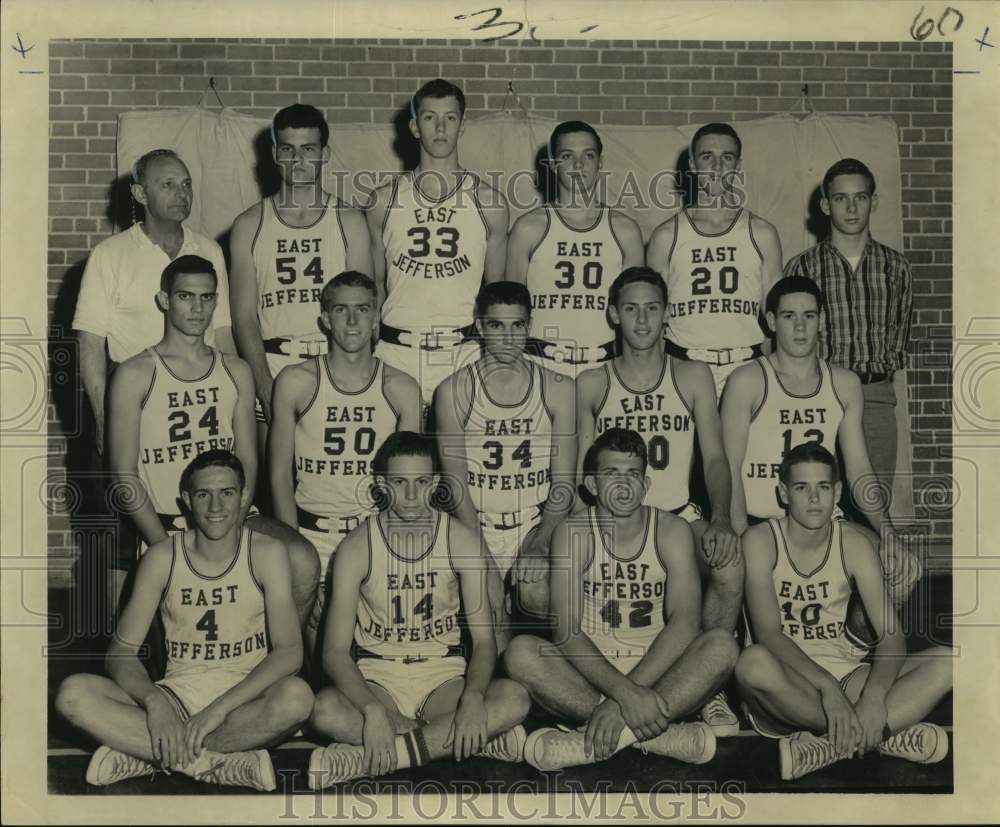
803	679
233	648
399	580
616	664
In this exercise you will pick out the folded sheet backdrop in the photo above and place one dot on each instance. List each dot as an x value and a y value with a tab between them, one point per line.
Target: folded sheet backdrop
784	159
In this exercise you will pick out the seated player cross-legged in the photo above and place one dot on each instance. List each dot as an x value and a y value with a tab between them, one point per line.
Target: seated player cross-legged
233	647
408	696
802	680
628	658
668	401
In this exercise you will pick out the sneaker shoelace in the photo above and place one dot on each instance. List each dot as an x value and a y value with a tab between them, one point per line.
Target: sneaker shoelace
342	764
125	766
232	772
910	740
812	754
498	747
718	710
563	746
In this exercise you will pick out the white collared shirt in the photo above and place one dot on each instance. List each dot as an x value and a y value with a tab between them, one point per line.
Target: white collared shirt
118	294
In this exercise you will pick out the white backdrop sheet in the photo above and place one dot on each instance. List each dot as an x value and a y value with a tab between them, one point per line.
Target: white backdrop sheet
784	158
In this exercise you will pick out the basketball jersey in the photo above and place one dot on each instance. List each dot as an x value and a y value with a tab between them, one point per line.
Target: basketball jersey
623	598
714	282
508	448
783	421
293	264
435	255
662	418
569	272
336	437
408	606
216	622
813	606
179	419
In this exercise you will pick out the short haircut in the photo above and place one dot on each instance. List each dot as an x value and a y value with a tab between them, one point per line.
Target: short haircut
568	128
615	439
792	284
847	166
300	116
349	278
141	164
437	88
403	444
636	275
810	451
503	292
216	458
716	129
186	265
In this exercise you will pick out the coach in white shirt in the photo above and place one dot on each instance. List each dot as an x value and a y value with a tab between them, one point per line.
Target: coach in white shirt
117	302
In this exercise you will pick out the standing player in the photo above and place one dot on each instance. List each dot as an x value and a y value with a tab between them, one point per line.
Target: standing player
285	248
233	648
181	398
505	427
115	308
567	251
867	302
667	400
399	580
628	657
436	233
791	396
720	260
803	676
330	414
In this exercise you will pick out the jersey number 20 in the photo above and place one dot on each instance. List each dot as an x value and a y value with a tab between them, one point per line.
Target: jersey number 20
729	280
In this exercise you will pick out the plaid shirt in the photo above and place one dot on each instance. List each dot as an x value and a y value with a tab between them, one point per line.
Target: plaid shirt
865	319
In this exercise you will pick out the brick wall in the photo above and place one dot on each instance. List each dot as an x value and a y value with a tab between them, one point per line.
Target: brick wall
611	82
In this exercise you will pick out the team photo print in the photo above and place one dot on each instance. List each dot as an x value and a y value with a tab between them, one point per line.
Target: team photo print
524	420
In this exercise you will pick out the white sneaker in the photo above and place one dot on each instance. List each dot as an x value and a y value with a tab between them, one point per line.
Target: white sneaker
507	746
720	717
552	749
334	764
692	743
921	743
110	765
237	769
802	753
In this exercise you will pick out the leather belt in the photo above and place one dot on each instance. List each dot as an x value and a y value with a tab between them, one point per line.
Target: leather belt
427	339
713	356
303	349
569	354
326	524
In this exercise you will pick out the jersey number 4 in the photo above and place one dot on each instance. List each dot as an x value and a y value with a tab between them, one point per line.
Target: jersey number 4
447	242
285	268
729	281
180	421
208	625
